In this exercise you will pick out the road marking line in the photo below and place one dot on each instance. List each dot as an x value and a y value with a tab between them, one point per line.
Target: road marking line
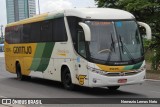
152	80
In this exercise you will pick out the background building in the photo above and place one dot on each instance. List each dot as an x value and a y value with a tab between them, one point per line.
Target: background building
20	9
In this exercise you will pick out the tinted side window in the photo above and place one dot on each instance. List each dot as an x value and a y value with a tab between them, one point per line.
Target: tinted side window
26	33
46	31
16	35
12	34
72	22
7	35
59	30
81	43
35	32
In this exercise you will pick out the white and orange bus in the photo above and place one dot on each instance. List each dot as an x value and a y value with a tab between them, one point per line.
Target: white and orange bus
92	47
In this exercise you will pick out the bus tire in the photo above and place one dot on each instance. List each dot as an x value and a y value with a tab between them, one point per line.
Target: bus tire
18	72
113	88
66	79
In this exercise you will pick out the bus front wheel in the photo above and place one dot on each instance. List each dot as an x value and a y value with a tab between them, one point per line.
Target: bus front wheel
113	88
67	80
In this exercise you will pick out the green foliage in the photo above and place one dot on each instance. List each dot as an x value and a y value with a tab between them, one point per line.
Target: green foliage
107	3
146	43
148	50
144	10
100	3
156	59
136	5
149	56
155	46
147	11
152	52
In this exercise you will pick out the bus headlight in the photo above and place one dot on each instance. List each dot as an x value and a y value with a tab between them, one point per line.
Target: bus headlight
141	69
97	71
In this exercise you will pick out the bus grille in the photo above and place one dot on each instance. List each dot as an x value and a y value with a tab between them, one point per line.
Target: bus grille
121	74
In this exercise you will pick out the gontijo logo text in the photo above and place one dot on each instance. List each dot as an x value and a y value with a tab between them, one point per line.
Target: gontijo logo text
22	50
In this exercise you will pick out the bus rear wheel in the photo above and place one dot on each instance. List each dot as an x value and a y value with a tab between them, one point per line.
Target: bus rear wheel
19	74
66	79
113	88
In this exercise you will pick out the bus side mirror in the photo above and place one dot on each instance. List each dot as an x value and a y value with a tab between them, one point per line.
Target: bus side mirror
148	30
87	31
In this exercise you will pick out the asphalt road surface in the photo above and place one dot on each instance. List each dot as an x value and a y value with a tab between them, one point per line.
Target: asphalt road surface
40	88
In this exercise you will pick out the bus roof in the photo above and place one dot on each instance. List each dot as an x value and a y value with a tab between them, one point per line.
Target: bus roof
99	13
87	13
37	18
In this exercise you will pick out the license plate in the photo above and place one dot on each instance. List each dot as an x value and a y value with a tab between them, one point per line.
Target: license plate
122	80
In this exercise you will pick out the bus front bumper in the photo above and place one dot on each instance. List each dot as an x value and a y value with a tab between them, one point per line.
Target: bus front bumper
97	80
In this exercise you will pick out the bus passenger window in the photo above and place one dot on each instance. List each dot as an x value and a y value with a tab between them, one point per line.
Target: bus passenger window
81	44
26	33
46	31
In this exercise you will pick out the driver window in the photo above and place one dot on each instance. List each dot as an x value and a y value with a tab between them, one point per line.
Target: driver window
81	44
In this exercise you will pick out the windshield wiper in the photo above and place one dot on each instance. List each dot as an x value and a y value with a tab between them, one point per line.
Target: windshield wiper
111	47
127	51
112	44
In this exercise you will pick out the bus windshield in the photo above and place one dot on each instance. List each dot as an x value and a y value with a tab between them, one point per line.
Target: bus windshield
115	40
